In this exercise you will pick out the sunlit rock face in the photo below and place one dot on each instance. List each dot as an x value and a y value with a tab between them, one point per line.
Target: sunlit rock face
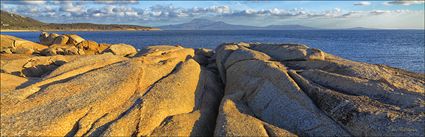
14	45
163	92
307	92
238	89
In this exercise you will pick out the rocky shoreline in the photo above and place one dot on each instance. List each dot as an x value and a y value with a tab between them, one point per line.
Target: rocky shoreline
68	86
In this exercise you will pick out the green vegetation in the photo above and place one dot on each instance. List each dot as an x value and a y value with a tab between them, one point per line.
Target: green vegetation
10	21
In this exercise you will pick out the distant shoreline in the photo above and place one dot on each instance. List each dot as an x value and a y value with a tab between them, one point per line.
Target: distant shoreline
76	30
85	30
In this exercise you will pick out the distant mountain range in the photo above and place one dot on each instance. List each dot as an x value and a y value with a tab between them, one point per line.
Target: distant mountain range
204	24
360	28
15	22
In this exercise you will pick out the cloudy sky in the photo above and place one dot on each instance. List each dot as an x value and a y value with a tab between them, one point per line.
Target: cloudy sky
323	14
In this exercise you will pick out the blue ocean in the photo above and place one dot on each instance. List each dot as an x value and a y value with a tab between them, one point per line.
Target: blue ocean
397	48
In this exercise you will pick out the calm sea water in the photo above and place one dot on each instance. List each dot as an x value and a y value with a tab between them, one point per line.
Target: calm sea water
398	48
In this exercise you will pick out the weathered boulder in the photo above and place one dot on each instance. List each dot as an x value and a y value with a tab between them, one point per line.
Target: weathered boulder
382	91
89	47
10	44
61	50
61	40
203	56
158	50
287	52
43	38
47	39
311	93
122	50
205	52
275	98
53	38
361	115
74	39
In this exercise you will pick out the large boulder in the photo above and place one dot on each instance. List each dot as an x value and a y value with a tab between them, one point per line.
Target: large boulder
288	52
272	96
74	39
10	44
53	38
47	39
43	38
122	50
362	115
61	40
311	93
89	47
56	49
203	56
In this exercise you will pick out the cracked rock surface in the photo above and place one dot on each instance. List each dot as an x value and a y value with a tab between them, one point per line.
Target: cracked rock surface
307	92
163	90
238	89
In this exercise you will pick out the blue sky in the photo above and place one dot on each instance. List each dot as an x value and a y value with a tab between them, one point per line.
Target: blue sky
321	14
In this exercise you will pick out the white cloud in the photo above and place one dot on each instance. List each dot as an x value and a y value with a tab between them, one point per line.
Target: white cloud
112	11
293	13
72	8
24	2
35	2
405	2
116	2
379	12
394	12
353	14
362	3
220	9
81	11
